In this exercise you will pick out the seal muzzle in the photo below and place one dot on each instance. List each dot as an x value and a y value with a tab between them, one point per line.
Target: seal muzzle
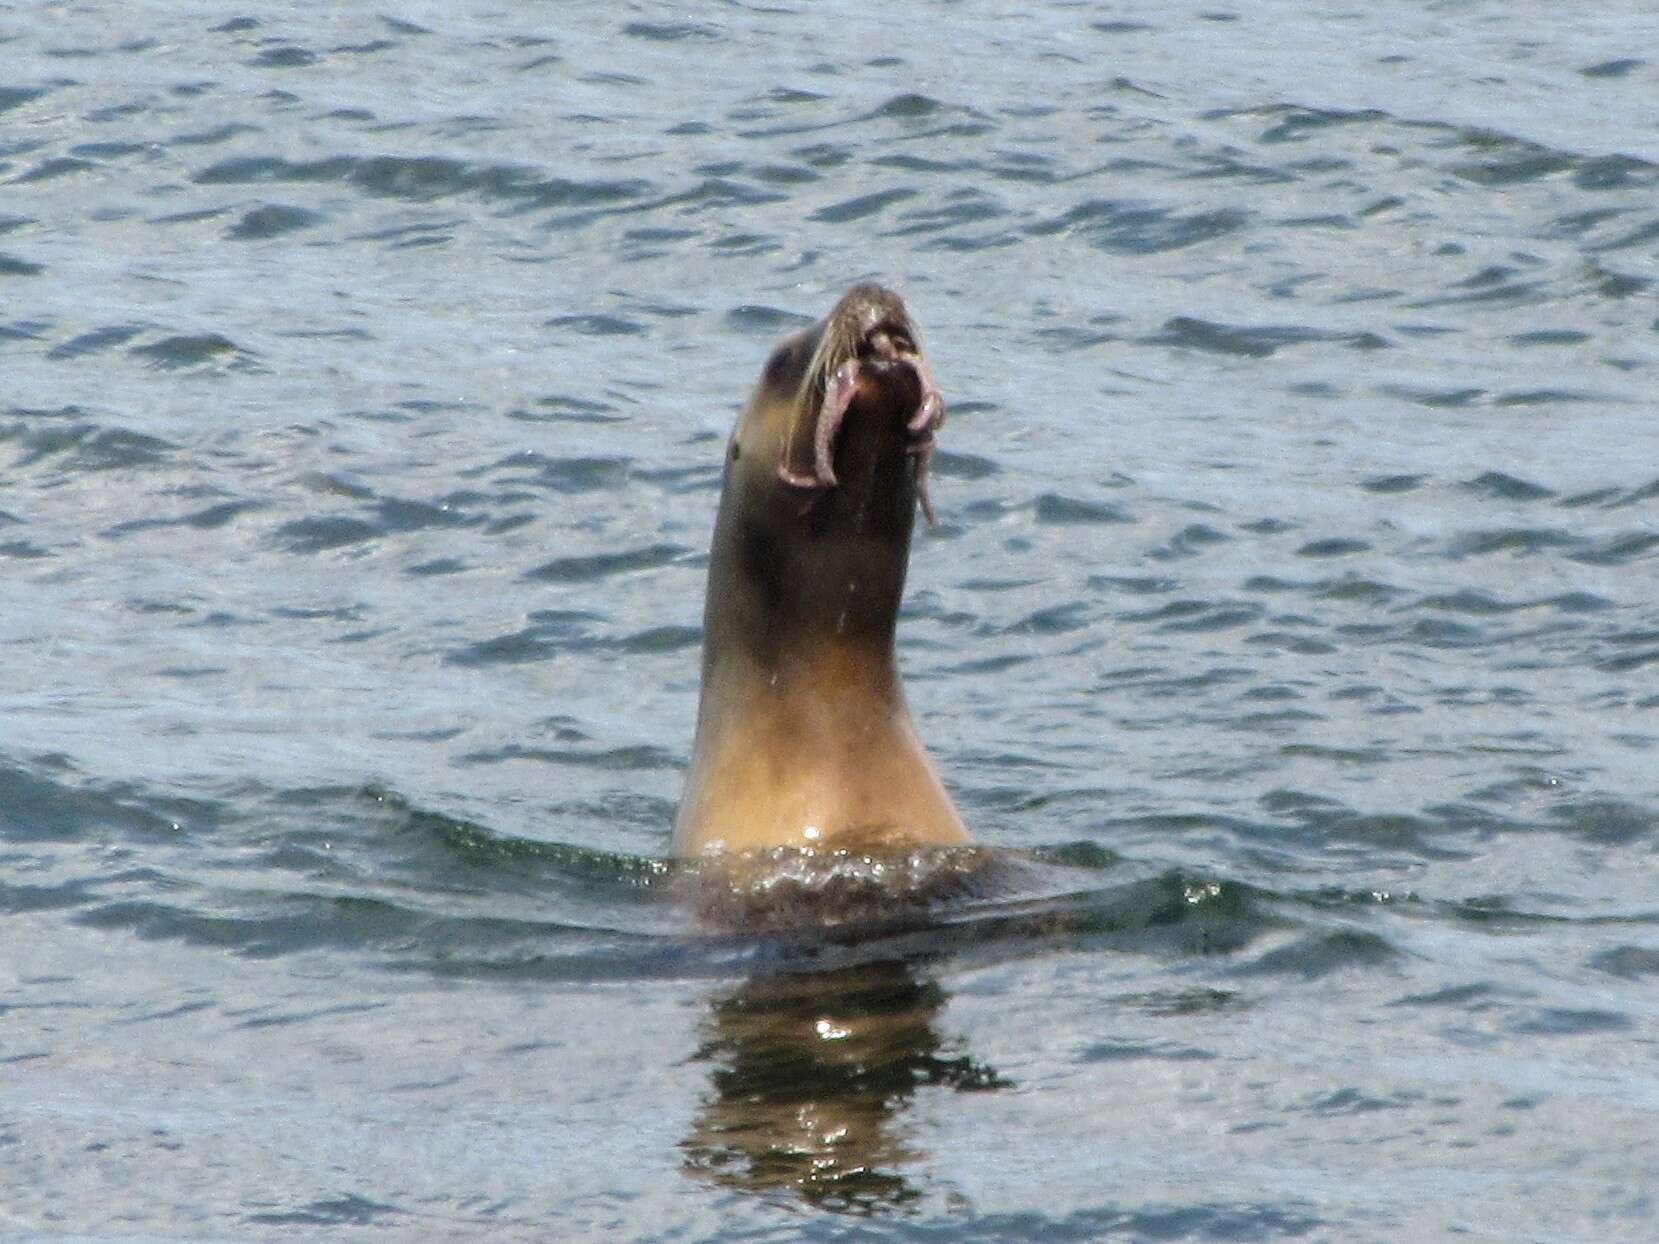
867	352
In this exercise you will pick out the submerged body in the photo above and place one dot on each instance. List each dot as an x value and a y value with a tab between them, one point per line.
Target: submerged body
803	737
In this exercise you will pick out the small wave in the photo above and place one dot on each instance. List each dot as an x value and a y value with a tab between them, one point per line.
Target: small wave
284	56
350	1210
1628	961
1255	341
1056	509
672	32
271	221
1334	546
423	179
95	342
209	518
46	800
11	265
386	516
55	168
1325	952
186	351
365	873
563	408
615	759
1130	228
16	96
593	568
598	325
73	443
861	206
765	321
1512	540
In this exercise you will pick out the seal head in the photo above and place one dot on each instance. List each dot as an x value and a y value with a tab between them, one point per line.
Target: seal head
803	737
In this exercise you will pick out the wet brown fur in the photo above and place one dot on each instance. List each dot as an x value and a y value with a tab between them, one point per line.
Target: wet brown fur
803	736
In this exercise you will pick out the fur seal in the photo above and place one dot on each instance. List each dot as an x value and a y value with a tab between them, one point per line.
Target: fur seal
803	737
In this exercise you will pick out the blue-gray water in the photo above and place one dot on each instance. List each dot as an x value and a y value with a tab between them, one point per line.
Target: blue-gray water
1292	616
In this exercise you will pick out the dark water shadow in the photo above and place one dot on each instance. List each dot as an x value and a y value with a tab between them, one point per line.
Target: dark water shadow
810	1078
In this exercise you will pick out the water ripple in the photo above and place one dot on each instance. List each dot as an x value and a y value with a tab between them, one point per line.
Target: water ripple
1286	634
423	179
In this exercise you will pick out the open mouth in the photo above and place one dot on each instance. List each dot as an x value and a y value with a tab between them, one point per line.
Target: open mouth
886	367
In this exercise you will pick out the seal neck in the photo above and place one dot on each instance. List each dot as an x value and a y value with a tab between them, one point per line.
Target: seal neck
791	595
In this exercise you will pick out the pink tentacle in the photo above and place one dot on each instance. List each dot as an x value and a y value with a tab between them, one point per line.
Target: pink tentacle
838	396
930	411
923	452
929	416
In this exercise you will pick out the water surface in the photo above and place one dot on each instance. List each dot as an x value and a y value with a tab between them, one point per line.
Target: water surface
1290	622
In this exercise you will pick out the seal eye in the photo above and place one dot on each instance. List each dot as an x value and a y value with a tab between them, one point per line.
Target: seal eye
736	452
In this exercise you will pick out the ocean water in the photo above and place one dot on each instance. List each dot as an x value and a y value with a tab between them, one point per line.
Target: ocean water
1290	628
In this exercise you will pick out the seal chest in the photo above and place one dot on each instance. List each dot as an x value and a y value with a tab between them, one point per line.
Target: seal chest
803	738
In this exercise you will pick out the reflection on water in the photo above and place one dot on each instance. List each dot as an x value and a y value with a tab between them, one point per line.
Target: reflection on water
811	1075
